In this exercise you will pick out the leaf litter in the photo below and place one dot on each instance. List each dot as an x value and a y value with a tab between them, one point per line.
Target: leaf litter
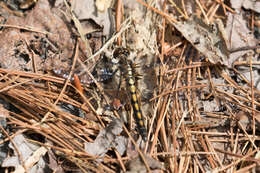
28	153
107	139
199	86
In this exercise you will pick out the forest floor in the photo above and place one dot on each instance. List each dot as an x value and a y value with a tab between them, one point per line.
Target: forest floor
65	100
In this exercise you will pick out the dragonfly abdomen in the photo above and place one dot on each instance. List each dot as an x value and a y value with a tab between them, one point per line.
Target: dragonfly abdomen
134	102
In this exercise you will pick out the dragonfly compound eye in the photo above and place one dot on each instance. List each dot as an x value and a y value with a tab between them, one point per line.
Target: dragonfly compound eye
121	51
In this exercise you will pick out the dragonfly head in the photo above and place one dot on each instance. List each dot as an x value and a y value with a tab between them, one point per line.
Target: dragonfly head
120	54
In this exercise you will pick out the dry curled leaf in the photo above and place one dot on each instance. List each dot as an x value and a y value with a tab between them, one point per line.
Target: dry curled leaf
136	164
208	40
106	139
87	10
240	35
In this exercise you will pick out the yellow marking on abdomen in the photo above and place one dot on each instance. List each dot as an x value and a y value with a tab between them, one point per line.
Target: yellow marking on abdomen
131	82
139	115
132	89
141	123
136	106
134	98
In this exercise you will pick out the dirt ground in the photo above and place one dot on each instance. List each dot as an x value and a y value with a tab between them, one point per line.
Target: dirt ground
183	96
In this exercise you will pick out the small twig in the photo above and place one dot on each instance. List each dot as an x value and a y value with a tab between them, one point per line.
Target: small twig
28	28
120	160
77	83
252	95
225	6
213	12
178	9
119	14
236	161
203	12
163	35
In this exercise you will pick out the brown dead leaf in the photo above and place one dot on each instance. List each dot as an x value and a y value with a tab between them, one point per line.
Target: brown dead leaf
53	163
108	138
136	164
30	153
206	39
87	10
239	35
247	4
243	118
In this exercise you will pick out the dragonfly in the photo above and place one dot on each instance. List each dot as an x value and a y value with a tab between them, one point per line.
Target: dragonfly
128	73
105	70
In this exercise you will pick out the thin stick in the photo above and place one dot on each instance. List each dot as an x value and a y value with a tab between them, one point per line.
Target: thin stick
27	28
